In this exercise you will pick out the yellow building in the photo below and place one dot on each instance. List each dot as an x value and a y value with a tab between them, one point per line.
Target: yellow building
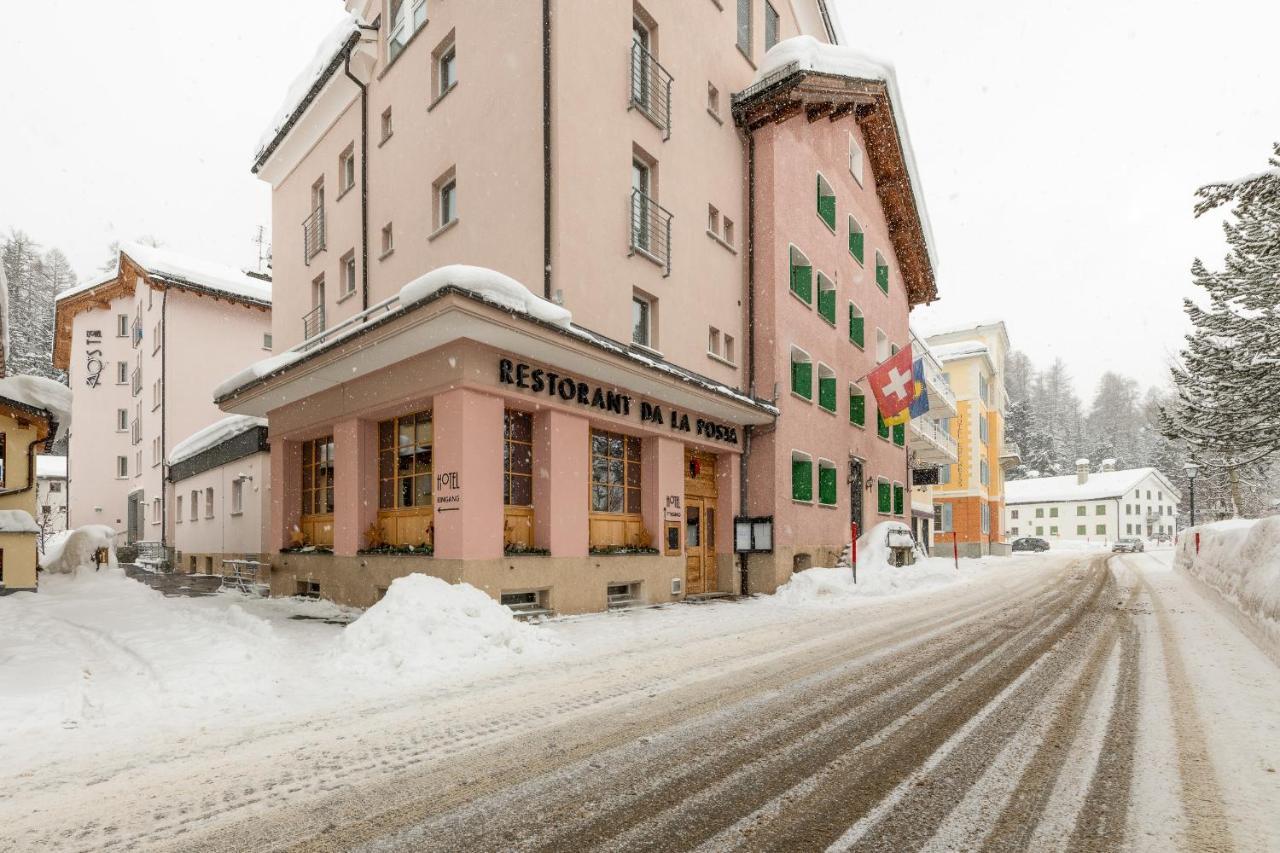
969	499
24	432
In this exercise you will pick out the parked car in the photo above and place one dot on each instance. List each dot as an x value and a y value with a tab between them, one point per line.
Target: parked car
1030	543
1130	545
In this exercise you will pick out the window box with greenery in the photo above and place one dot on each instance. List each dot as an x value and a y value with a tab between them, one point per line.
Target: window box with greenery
827	482
856	240
800	276
857	327
826	299
801	374
826	203
882	272
801	477
827	388
857	406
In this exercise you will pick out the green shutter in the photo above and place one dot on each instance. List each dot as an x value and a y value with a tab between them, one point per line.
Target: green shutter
884	497
827	392
801	480
882	428
827	304
856	239
897	500
802	378
855	327
857	409
826	207
899	434
827	485
882	277
802	282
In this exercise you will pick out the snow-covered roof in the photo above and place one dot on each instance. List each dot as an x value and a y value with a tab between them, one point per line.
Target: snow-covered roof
959	349
1082	462
213	435
490	285
965	326
305	85
173	266
17	521
1106	484
51	467
40	393
809	54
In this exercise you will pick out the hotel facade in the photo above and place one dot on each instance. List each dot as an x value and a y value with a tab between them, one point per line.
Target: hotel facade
560	371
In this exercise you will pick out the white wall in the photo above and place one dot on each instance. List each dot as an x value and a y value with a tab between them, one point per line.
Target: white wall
224	532
1123	516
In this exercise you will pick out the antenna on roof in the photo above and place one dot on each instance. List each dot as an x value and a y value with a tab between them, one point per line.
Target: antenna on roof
264	249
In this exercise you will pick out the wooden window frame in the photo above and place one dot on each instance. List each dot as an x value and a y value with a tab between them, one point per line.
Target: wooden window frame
628	464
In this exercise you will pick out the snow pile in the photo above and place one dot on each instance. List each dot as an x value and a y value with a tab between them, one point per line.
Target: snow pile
75	550
809	54
213	435
489	285
17	521
168	264
833	587
52	467
40	393
1241	560
325	53
424	625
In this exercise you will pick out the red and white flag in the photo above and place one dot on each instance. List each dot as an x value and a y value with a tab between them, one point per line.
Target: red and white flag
892	383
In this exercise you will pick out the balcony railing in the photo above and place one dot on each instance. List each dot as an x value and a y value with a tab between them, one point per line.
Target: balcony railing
651	88
939	389
313	234
136	430
313	322
135	332
136	379
939	447
651	230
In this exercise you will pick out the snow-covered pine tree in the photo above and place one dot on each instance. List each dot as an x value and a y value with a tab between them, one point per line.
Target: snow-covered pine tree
1226	408
34	279
1111	427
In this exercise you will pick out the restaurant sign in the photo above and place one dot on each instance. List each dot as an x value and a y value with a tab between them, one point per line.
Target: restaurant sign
572	390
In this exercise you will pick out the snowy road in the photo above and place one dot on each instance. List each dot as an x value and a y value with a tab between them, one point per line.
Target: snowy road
1064	702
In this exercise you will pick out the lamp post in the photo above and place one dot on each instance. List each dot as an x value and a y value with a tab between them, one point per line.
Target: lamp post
1192	469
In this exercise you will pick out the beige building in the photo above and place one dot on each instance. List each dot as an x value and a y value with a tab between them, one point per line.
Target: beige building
51	501
25	431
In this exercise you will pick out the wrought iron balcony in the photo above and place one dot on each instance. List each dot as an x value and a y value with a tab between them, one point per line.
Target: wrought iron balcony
651	88
313	322
313	234
651	230
931	444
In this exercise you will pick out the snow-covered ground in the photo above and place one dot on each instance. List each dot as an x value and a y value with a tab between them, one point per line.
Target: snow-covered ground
1240	559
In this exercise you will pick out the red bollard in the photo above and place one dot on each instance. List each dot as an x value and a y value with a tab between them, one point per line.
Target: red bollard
1197	541
955	548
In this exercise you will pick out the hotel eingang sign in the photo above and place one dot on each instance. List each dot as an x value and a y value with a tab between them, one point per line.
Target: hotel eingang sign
570	389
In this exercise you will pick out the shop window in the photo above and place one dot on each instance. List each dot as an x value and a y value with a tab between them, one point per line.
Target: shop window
801	276
827	482
404	462
615	473
517	479
317	491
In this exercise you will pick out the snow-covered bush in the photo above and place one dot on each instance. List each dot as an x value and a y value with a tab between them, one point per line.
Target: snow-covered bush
72	550
1241	560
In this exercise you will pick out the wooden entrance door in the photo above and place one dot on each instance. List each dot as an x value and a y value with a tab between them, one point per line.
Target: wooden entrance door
700	499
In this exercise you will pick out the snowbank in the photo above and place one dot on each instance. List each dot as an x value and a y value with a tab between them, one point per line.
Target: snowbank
213	435
17	521
1241	560
487	284
424	625
41	393
65	554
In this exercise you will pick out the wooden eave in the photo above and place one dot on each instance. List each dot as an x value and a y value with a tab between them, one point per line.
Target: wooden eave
123	285
25	414
817	96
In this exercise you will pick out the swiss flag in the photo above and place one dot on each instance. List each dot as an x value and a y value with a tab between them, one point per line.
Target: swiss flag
892	383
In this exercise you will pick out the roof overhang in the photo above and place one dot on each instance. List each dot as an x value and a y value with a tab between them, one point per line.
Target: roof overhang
46	425
128	272
818	95
453	315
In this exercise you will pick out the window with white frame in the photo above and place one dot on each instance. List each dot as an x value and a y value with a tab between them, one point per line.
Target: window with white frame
882	346
177	509
446	65
266	341
155	451
122	325
348	265
943	514
406	18
730	349
347	169
446	200
122	466
237	496
856	159
122	373
122	420
744	26
642	320
195	504
385	125
772	26
713	341
155	510
388	240
986	518
713	99
208	502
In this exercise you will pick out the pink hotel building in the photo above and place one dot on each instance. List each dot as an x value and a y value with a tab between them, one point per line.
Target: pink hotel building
710	246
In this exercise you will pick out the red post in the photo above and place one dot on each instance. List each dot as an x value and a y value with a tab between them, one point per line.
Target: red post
1197	541
853	549
955	548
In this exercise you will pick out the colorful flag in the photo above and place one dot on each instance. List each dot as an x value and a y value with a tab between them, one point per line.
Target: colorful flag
919	397
892	384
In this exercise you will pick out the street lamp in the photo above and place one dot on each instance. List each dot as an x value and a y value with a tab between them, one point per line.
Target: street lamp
1192	469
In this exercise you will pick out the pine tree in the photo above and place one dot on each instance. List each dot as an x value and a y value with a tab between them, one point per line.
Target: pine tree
1226	409
1112	423
34	279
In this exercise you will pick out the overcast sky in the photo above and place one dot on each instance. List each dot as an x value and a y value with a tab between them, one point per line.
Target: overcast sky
1059	143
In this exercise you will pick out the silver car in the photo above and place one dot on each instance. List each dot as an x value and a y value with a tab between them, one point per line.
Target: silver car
1130	545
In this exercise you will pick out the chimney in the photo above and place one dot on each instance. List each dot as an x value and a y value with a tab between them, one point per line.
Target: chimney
1108	465
1082	471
